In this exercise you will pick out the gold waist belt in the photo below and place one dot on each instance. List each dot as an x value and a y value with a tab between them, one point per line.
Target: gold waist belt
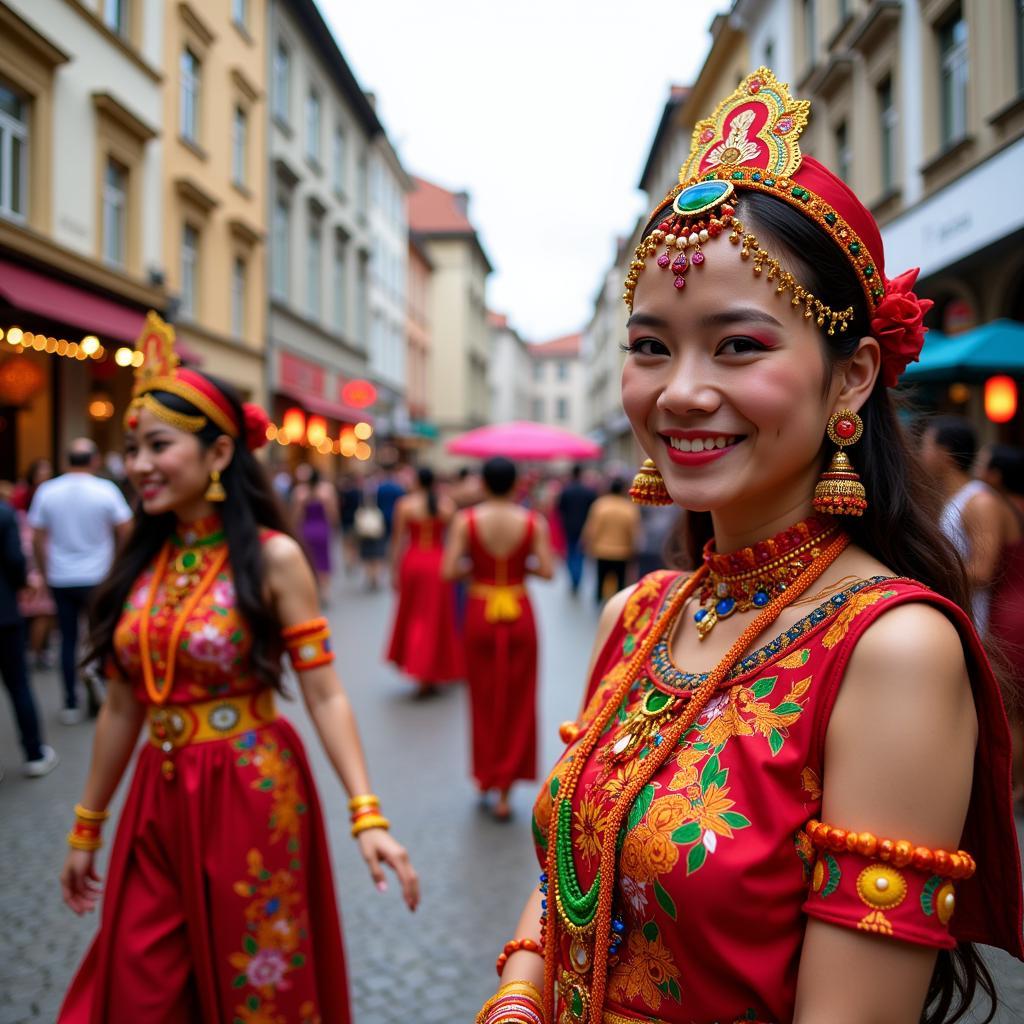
503	600
611	1017
179	725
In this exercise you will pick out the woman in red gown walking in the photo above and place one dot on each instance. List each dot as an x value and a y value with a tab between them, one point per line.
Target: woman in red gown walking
762	809
219	903
424	642
498	544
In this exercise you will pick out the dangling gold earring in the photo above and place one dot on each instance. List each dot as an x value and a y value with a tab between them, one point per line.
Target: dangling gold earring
649	486
215	492
839	492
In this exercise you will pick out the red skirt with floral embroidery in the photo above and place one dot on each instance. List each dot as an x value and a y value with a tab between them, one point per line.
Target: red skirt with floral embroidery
209	911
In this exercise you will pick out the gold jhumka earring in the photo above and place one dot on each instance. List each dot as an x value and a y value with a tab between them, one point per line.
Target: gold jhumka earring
649	486
839	492
215	492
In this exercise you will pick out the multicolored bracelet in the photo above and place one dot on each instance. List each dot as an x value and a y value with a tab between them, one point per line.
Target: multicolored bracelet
308	644
900	853
367	821
85	833
516	946
518	1002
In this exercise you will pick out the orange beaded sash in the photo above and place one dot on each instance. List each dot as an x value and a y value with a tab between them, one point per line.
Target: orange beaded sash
596	932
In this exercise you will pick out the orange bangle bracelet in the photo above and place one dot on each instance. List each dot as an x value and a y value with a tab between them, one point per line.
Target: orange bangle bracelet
900	853
516	946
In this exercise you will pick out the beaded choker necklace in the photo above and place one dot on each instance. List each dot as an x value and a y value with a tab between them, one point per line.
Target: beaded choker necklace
752	576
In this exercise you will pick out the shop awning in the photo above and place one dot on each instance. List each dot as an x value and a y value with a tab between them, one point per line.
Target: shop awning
324	406
993	348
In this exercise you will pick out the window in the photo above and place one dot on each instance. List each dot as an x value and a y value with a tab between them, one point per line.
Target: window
562	409
361	184
562	370
239	146
953	67
190	71
538	370
340	159
887	123
13	154
810	32
314	251
282	83
844	11
238	276
280	253
313	125
115	16
189	270
1019	25
361	291
240	13
843	154
115	212
339	283
537	410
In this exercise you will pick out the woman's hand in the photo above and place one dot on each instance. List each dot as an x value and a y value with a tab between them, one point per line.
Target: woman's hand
378	848
79	881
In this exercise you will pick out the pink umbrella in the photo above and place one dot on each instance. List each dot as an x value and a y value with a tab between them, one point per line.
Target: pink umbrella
523	440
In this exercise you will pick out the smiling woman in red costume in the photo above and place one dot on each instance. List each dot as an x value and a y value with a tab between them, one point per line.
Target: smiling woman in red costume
219	903
763	810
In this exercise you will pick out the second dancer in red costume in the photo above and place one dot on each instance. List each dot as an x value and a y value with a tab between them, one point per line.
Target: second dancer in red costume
219	902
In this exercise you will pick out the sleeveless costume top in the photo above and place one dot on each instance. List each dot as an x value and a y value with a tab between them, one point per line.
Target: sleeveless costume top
715	875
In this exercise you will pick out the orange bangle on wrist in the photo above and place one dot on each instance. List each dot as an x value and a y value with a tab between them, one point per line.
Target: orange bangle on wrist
900	853
516	946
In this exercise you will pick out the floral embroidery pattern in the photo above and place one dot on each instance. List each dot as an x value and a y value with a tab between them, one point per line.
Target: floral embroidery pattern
646	969
836	633
275	922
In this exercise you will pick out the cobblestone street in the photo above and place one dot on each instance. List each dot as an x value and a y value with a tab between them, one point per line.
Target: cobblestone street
436	967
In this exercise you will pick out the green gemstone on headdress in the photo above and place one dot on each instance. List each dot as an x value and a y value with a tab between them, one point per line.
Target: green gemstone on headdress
855	247
869	270
769	182
699	198
830	219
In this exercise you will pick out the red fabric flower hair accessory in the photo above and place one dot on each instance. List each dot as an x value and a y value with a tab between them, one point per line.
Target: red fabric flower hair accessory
256	423
898	326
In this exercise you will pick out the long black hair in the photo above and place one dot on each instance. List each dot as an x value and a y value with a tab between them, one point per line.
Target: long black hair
251	505
900	526
425	478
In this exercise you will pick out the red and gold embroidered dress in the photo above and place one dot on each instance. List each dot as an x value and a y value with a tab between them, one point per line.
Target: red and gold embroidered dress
715	876
219	902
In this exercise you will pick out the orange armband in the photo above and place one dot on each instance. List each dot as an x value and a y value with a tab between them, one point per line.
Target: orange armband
308	644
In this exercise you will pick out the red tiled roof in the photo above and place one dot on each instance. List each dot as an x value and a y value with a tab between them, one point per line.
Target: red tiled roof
569	345
435	209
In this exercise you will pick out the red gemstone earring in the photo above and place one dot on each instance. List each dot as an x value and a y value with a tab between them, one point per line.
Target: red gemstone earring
839	492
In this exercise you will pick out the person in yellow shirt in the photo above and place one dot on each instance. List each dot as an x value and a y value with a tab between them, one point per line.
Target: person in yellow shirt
610	537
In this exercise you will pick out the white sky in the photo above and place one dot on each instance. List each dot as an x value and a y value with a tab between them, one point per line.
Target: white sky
543	110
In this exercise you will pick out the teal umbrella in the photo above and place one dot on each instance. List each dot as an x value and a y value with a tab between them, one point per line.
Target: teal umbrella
971	357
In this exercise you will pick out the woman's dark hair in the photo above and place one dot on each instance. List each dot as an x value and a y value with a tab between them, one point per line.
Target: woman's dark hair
499	475
314	476
900	526
425	476
617	485
1008	461
251	504
955	435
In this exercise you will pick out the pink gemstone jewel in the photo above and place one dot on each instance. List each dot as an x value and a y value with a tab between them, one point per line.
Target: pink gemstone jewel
680	282
755	86
663	260
679	264
707	135
783	125
697	259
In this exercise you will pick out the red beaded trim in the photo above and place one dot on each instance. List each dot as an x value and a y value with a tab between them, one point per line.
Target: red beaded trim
516	946
759	555
900	853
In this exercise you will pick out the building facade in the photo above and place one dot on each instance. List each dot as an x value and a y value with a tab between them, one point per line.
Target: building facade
81	255
322	132
458	376
559	383
418	340
510	372
214	185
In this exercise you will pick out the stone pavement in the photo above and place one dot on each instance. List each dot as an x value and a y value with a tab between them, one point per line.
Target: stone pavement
435	967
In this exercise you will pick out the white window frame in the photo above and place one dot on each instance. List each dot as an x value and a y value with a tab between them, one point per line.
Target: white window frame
115	213
888	119
240	146
280	253
954	74
314	267
14	130
282	84
191	83
239	289
340	156
314	124
339	275
116	15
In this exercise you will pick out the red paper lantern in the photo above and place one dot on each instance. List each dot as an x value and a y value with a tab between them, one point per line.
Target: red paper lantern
316	431
358	393
20	380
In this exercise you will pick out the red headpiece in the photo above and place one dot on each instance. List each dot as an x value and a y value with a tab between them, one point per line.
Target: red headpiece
751	143
159	371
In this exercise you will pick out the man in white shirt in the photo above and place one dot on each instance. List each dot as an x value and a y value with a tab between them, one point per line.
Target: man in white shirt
78	520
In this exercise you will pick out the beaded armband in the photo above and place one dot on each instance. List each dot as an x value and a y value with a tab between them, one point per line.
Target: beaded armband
85	833
516	946
308	644
884	886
